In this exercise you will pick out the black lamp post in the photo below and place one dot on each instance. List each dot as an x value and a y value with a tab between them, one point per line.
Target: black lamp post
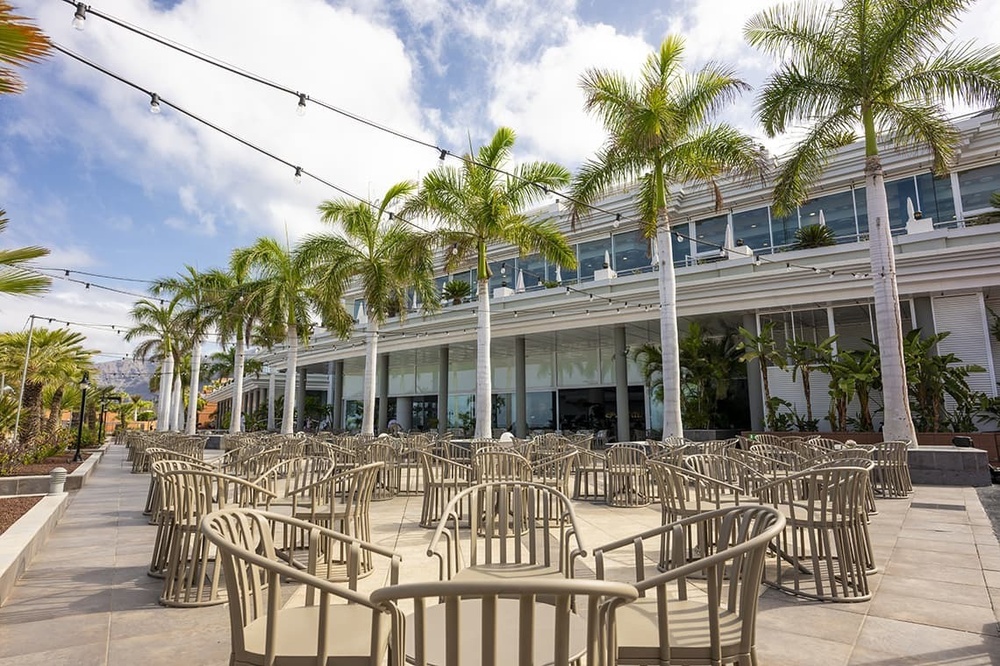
104	410
84	385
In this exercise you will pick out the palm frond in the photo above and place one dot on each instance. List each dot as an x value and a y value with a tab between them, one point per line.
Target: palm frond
807	160
915	123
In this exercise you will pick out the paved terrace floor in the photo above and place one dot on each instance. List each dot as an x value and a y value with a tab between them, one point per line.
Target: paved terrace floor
86	600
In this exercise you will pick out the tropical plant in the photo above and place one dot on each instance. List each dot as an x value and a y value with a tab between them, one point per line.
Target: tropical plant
281	296
157	325
804	356
381	255
813	236
456	291
853	373
193	292
932	376
881	66
661	132
16	276
478	204
57	356
222	364
764	350
21	43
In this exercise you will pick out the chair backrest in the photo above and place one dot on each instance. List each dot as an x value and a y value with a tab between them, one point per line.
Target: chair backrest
288	476
502	623
625	455
195	493
509	523
493	463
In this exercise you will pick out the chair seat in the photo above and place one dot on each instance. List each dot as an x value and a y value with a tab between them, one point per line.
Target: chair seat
507	572
320	511
349	631
688	631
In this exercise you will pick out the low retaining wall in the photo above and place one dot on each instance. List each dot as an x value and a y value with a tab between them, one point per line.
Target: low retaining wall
39	485
23	539
949	466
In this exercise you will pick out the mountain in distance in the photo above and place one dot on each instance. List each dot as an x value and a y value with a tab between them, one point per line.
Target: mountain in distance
126	375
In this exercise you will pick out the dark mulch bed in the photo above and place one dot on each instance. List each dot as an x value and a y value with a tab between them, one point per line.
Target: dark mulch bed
44	468
12	508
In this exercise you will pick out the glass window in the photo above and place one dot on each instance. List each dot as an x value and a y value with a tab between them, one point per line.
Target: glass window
579	367
540	410
782	331
631	252
854	327
538	370
358	304
462	411
566	274
783	229
977	185
861	205
680	248
711	234
752	227
897	192
838	211
532	269
402	372
591	257
937	201
440	282
497	279
811	325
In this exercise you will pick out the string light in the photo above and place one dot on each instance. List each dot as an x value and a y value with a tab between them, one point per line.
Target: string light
154	103
300	110
443	154
298	175
80	16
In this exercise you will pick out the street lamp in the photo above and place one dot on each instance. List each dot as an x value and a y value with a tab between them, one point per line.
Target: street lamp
84	385
104	410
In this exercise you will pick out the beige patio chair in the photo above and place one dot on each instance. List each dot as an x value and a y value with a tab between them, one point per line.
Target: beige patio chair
822	552
892	470
514	530
496	463
154	455
162	514
289	476
443	480
500	622
555	470
336	626
588	475
387	483
192	577
695	612
626	479
340	502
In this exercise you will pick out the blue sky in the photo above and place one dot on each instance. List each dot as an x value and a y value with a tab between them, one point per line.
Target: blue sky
88	172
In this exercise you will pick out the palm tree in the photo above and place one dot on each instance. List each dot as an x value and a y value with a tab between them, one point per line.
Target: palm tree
192	292
281	295
157	323
21	43
57	357
805	356
879	66
660	131
477	204
15	275
384	257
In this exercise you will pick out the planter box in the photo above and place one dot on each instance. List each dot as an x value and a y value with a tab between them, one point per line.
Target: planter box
20	543
39	485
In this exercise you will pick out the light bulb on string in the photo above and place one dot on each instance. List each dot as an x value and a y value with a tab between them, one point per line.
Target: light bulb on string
298	176
788	268
80	16
300	110
454	248
442	154
154	103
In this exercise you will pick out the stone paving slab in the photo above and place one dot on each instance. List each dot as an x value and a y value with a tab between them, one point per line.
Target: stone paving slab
86	599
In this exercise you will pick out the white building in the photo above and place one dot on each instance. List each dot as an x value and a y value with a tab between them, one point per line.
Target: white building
556	351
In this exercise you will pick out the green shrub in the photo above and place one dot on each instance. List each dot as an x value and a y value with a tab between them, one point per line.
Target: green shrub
814	235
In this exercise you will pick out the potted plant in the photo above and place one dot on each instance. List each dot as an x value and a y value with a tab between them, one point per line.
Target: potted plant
814	235
457	291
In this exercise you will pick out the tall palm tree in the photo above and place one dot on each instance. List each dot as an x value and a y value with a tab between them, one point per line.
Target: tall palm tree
282	297
661	132
15	275
192	291
156	324
21	43
57	357
383	256
882	67
477	205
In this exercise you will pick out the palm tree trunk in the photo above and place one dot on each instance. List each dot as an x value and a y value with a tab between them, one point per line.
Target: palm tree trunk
177	415
239	360
31	421
768	408
898	424
55	413
484	373
807	392
291	358
166	384
371	359
673	426
192	415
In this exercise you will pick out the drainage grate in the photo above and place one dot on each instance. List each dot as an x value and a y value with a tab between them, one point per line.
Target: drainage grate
930	505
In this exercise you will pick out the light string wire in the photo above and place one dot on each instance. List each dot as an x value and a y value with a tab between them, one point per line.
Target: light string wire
443	152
